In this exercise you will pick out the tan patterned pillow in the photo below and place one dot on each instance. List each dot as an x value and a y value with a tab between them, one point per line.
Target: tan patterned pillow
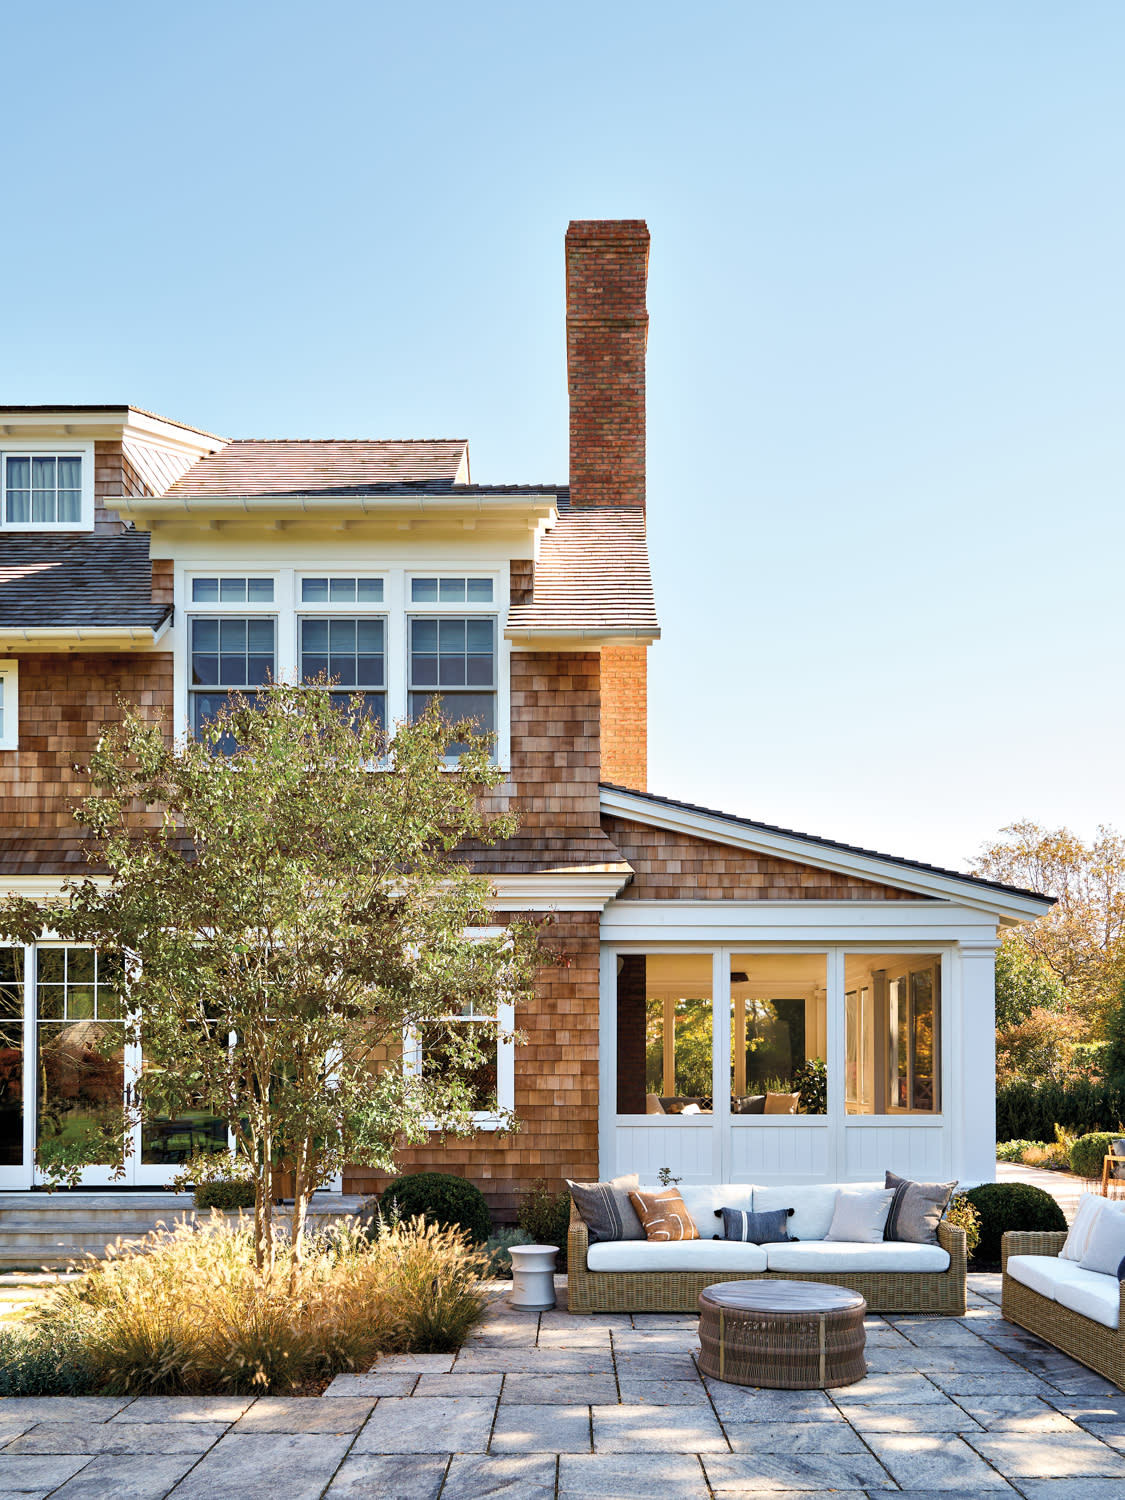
664	1215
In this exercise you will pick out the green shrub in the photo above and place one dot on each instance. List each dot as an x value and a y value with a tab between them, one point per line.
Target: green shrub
498	1248
225	1193
1030	1111
1011	1205
811	1081
439	1198
1089	1151
36	1361
962	1213
545	1217
1013	1150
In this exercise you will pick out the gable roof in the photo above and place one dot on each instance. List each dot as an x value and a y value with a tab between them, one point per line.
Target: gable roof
591	577
87	581
284	466
891	869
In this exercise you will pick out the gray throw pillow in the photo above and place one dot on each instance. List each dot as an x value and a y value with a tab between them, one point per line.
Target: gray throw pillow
766	1228
916	1210
606	1210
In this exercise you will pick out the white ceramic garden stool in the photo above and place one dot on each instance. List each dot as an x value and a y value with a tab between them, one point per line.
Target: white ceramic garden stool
533	1277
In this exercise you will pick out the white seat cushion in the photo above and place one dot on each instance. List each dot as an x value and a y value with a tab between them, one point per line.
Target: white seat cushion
813	1204
701	1199
843	1255
1044	1274
1094	1295
677	1255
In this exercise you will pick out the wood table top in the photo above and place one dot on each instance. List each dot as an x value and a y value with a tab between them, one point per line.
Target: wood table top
782	1296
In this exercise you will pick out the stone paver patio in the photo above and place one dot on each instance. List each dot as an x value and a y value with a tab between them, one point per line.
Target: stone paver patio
552	1406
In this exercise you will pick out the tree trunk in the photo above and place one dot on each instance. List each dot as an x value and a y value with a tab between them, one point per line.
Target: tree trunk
263	1206
303	1182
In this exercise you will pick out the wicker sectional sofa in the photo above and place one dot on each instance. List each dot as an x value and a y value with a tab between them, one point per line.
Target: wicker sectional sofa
639	1276
1080	1312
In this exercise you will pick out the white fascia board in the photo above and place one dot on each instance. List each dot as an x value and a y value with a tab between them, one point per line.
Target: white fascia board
569	638
920	924
81	637
44	887
541	507
806	852
557	890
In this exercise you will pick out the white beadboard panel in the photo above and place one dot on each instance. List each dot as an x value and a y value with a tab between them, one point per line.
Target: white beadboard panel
761	1153
688	1150
918	1152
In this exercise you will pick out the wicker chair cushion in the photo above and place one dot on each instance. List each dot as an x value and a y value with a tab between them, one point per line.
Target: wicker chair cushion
1106	1245
1095	1296
1043	1273
836	1256
1090	1208
708	1256
813	1205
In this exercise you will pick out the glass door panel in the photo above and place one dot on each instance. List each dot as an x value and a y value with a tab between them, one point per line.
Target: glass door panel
778	1027
12	1165
167	1141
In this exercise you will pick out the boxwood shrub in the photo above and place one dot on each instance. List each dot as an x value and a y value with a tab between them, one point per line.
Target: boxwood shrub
440	1198
1089	1151
1011	1205
227	1193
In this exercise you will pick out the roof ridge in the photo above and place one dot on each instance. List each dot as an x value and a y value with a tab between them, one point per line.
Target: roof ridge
398	442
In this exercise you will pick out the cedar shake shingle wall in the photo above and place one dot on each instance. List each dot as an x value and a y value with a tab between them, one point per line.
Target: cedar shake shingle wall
556	750
163	580
556	1087
606	334
109	484
625	716
64	701
521	575
670	866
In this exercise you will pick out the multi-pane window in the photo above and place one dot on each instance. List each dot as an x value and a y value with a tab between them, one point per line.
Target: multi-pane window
11	1057
42	489
9	706
451	590
229	590
78	984
893	1033
80	1052
454	660
351	653
341	591
229	653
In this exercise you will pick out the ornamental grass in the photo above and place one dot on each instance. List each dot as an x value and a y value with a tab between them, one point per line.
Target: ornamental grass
185	1312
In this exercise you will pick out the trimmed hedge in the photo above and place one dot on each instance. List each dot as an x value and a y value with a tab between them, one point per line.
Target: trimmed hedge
1011	1205
1030	1111
1089	1151
441	1199
228	1193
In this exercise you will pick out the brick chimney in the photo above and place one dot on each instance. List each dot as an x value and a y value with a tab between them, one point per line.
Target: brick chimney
606	335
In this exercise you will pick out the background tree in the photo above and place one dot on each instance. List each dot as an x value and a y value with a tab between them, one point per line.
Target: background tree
286	915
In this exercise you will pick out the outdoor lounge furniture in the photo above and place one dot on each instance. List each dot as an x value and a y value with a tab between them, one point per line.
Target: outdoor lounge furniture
788	1335
1078	1311
643	1276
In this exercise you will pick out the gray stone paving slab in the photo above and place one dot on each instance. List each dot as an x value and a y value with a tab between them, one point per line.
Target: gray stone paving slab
306	1414
264	1466
541	1428
664	1321
34	1409
534	1361
183	1409
900	1390
522	1476
658	1366
1100	1408
1070	1489
428	1424
458	1385
766	1473
32	1471
644	1341
1025	1455
399	1476
793	1437
883	1417
558	1390
936	1461
575	1338
374	1386
120	1477
738	1403
628	1476
663	1392
111	1437
10	1430
1105	1432
557	1319
983	1386
1018	1414
656	1429
431	1364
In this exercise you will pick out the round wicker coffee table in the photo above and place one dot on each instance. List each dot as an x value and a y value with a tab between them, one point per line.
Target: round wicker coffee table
790	1335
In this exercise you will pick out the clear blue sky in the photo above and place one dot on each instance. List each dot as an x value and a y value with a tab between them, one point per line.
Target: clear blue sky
886	449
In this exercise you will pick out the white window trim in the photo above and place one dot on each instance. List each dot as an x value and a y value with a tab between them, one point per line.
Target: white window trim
39	448
10	717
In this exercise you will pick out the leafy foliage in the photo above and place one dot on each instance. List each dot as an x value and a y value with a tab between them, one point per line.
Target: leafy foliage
811	1078
1011	1205
227	1193
1089	1151
544	1217
313	907
41	1360
1029	1111
439	1198
1024	982
962	1213
498	1248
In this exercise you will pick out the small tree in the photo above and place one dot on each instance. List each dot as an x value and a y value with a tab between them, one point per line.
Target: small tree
1113	1059
287	915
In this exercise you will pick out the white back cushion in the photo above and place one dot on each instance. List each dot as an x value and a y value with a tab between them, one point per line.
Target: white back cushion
1091	1206
813	1205
701	1199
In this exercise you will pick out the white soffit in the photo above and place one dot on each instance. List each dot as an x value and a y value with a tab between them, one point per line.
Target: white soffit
556	890
962	890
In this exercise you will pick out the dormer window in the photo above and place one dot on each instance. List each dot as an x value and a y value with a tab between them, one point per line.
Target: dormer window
46	491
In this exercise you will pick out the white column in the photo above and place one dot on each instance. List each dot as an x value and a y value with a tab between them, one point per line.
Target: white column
969	1098
607	1065
835	1050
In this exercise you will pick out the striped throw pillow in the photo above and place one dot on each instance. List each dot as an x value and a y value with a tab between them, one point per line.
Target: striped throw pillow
664	1216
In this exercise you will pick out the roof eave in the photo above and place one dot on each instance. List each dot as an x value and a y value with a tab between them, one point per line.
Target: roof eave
1006	905
556	637
534	507
82	637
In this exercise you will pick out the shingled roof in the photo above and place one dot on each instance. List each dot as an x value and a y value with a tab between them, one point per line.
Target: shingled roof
311	466
51	581
592	575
